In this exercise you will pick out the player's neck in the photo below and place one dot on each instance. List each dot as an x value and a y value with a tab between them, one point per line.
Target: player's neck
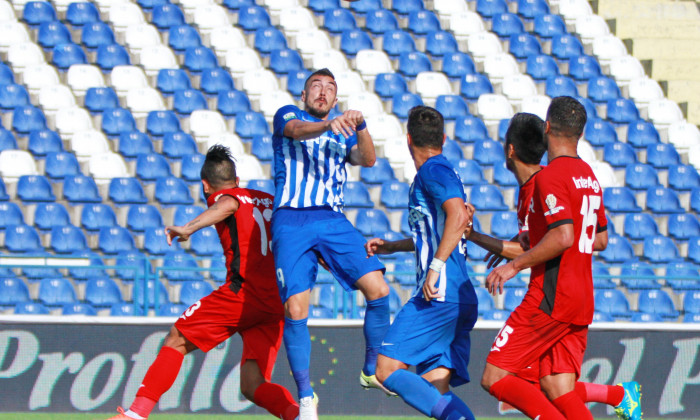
422	154
558	147
524	171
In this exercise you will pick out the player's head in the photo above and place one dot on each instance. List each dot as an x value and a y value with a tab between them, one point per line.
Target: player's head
320	93
218	170
426	127
524	140
566	118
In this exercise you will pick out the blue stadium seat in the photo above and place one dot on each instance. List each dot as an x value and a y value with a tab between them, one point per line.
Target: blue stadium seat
503	128
612	302
402	103
421	22
440	43
153	290
695	199
82	273
506	24
134	264
412	63
470	172
48	215
662	155
620	199
566	46
98	99
269	39
56	292
457	64
53	33
34	274
645	317
362	7
404	7
475	252
65	55
602	89
488	152
252	18
116	121
397	42
452	151
660	249
354	40
295	82
95	217
26	119
513	297
452	106
170	190
187	100
356	195
125	309
619	154
691	318
152	166
126	191
638	276
470	129
560	86
80	189
694	249
116	239
549	25
541	67
191	167
474	85
206	242
529	9
683	226
182	37
96	34
487	197
134	143
142	216
34	188
683	177
524	45
110	56
379	173
600	132
268	186
7	140
601	277
591	111
622	111
619	250
489	8
238	4
261	148
12	292
386	85
682	275
657	302
502	176
371	222
504	224
663	200
158	123
691	302
642	134
102	292
251	124
81	13
584	67
156	243
3	191
379	21
170	80
175	261
192	291
78	309
233	102
61	164
394	195
638	226
31	308
320	312
67	239
185	213
286	60
36	12
495	315
166	15
337	20
641	176
199	58
485	300
6	75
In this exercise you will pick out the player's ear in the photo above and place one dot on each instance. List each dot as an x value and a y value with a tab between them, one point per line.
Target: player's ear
547	127
409	140
206	187
238	181
303	95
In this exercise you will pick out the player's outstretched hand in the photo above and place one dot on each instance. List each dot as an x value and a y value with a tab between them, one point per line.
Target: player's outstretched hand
374	246
493	260
470	216
429	290
354	117
499	276
342	125
172	232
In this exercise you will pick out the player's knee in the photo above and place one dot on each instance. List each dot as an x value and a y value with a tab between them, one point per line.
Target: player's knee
373	285
248	389
489	378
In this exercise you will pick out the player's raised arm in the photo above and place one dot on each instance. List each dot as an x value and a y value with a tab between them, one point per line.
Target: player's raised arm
223	208
363	153
377	246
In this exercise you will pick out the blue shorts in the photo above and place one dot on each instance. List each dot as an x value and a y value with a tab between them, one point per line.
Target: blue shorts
432	334
300	236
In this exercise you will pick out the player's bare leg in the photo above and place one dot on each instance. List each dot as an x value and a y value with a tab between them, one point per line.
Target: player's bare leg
560	389
440	378
274	398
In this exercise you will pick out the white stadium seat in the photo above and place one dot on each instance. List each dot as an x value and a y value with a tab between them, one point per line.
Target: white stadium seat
12	33
483	44
396	150
248	167
124	15
605	174
38	76
140	36
590	27
295	19
209	17
431	84
88	143
370	63
644	90
366	102
191	5
272	101
125	78
586	151
331	59
25	54
81	77
308	41
205	123
536	104
7	13
259	82
141	101
383	127
105	166
72	120
664	112
448	8
573	9
517	87
607	47
224	38
625	69
683	135
493	108
229	140
53	98
242	60
499	66
349	82
157	57
465	24
16	163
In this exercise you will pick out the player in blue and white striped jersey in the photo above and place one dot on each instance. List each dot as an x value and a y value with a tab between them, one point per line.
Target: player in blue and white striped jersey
431	331
308	226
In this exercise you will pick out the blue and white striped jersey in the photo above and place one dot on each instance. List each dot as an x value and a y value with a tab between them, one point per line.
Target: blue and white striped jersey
309	173
436	182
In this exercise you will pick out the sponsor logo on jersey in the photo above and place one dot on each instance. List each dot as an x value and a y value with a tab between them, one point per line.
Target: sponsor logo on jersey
551	202
265	202
289	116
589	182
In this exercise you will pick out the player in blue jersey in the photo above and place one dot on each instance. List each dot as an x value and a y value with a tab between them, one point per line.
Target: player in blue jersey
431	331
308	226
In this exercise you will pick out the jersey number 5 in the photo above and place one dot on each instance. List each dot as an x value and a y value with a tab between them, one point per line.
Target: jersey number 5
589	211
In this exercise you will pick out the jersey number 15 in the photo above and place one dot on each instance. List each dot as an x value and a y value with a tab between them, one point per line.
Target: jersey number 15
589	211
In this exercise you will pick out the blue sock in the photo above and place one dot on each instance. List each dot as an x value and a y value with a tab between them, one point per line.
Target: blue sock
297	343
415	391
450	407
376	325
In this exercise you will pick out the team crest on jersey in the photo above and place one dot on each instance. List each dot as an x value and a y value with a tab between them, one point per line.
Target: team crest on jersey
289	116
551	202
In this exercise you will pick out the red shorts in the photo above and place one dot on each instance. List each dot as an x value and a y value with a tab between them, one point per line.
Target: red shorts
221	314
532	344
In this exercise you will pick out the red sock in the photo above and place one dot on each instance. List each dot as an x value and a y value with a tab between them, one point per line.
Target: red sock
277	400
572	407
606	394
158	380
525	397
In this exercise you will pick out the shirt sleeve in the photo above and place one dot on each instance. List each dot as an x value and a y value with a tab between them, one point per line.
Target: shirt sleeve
349	143
602	218
283	116
441	183
552	197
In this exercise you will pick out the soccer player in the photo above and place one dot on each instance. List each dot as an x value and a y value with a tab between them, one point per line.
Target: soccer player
524	148
247	303
431	331
310	154
549	328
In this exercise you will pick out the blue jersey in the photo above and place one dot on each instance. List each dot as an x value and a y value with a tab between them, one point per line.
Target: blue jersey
436	182
309	173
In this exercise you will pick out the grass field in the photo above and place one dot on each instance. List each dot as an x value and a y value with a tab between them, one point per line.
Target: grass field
82	416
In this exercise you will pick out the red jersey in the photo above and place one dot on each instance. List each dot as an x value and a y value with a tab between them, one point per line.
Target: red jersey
524	200
566	191
245	237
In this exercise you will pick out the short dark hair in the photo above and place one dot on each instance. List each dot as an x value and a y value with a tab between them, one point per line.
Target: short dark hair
566	116
526	134
322	72
219	167
426	127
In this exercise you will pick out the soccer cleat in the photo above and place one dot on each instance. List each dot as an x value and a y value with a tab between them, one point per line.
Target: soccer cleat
371	381
308	408
630	408
121	415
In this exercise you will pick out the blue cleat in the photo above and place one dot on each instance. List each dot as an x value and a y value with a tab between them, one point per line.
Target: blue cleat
630	408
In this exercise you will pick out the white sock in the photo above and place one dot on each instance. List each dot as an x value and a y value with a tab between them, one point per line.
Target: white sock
134	415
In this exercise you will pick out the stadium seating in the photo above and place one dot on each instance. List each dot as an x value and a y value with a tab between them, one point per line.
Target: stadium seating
13	291
102	292
614	303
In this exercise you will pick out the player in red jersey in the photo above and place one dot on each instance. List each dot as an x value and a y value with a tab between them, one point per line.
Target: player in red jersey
248	302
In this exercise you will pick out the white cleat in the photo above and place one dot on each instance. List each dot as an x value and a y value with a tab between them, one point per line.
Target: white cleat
371	381
308	408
